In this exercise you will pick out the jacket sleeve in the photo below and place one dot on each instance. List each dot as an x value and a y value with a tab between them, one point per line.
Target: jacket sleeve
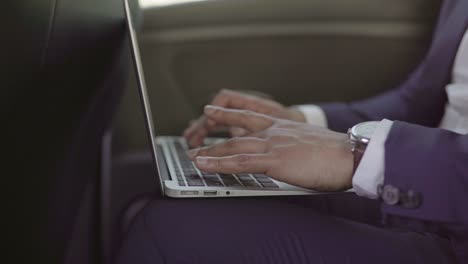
432	162
416	101
420	99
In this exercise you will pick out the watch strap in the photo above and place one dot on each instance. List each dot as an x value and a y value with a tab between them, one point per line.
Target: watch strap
358	153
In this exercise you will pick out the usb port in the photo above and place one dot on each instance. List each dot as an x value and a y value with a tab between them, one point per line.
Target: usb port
210	193
189	192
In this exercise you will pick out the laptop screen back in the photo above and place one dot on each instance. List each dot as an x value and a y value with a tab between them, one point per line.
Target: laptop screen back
132	11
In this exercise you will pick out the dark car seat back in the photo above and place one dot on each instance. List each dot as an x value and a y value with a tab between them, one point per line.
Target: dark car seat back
63	67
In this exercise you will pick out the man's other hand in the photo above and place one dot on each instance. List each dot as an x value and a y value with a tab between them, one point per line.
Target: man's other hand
296	153
200	128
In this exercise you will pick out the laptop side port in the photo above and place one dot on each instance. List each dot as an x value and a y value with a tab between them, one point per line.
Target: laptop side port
189	192
210	193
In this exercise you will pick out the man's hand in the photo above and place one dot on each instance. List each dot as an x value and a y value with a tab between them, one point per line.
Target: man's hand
200	128
296	153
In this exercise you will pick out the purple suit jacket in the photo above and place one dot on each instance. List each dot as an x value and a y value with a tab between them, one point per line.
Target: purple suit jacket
418	157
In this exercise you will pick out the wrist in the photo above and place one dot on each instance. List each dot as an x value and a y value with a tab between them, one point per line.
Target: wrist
342	165
359	137
349	167
358	151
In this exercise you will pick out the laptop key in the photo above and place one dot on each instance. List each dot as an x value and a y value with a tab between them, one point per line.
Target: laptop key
195	183
181	183
192	177
227	176
251	183
230	180
207	174
232	184
269	185
211	178
264	180
244	177
190	172
214	183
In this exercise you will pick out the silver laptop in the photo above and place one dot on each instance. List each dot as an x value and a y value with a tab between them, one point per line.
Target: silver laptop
177	173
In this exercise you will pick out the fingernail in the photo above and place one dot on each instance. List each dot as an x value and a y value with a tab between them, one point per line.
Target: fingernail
202	160
237	132
210	109
192	153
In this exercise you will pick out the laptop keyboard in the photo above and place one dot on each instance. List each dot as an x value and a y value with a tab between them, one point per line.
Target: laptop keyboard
188	175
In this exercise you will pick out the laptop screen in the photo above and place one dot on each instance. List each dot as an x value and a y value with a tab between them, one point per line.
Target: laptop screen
132	12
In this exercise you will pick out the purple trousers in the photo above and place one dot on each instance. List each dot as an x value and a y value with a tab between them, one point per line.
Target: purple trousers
335	228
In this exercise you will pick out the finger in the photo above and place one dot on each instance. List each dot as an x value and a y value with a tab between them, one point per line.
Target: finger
241	163
248	120
198	138
194	126
237	100
188	132
196	133
237	132
199	130
231	147
209	123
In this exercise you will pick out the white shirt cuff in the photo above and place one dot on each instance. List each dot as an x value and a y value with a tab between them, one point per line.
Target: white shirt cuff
370	172
313	115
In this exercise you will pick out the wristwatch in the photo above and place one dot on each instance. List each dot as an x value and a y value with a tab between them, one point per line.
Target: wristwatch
359	137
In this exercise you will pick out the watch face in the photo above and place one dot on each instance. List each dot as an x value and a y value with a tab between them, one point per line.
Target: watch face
364	130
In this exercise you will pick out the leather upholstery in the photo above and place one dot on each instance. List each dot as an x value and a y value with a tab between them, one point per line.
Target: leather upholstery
66	65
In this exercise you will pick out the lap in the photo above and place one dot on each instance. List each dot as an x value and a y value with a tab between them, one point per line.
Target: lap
289	230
